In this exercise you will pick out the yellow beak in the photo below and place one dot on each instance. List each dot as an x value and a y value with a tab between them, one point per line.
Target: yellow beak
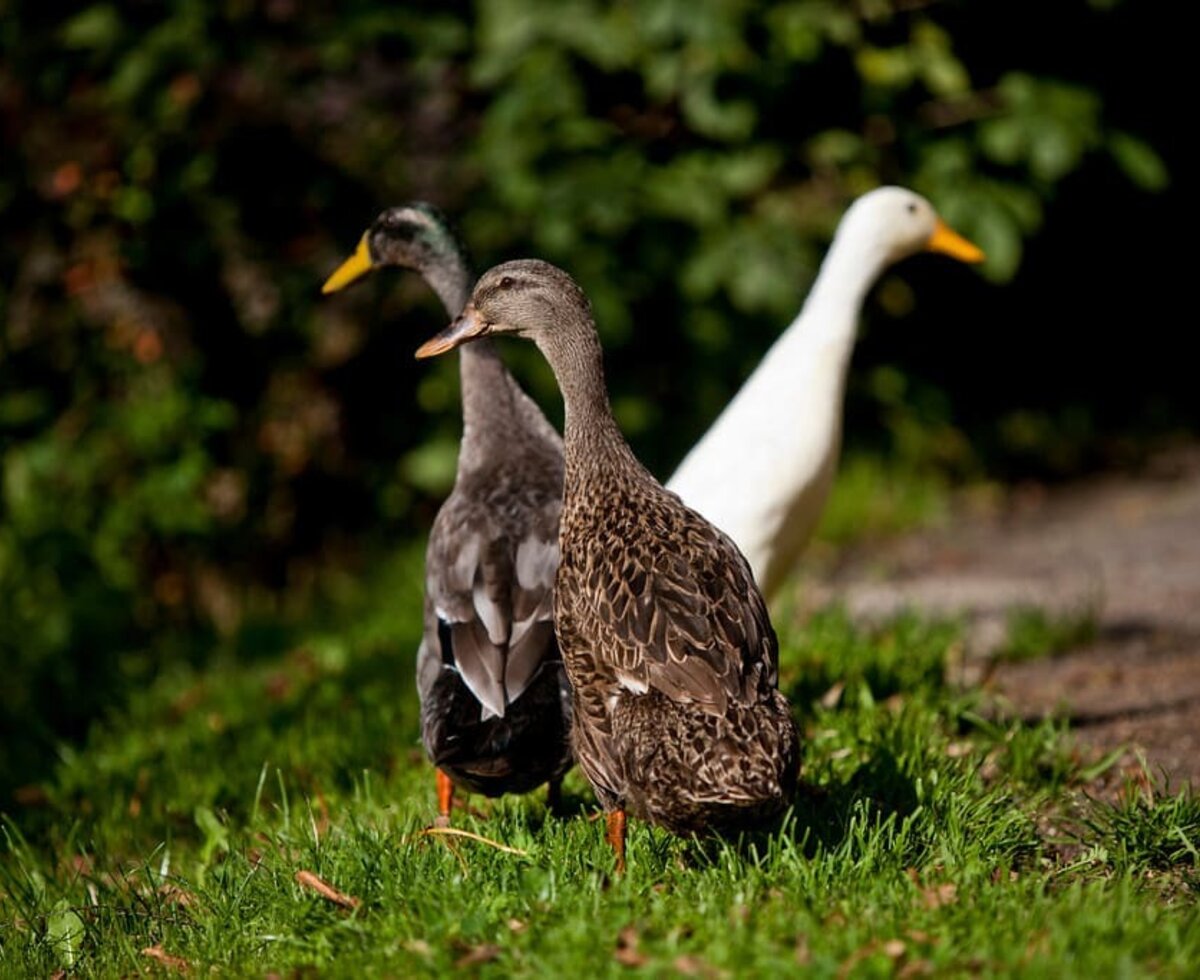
355	267
949	242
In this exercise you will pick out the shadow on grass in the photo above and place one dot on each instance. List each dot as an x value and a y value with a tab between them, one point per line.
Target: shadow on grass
310	722
56	703
822	814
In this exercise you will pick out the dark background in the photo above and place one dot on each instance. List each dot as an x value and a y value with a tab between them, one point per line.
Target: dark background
200	455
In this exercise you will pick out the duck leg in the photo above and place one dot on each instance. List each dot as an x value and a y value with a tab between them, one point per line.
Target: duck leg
554	797
445	799
615	835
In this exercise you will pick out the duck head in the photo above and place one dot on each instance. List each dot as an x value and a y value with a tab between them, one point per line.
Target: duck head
894	223
413	236
527	297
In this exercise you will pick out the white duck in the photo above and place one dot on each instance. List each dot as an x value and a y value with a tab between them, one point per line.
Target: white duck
763	470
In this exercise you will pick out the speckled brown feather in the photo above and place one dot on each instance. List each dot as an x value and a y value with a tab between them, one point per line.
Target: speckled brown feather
666	639
672	657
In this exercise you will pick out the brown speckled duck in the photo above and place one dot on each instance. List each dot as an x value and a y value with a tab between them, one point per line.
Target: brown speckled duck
672	660
495	705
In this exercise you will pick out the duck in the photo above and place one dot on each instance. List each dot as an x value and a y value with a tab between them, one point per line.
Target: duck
763	470
673	663
495	704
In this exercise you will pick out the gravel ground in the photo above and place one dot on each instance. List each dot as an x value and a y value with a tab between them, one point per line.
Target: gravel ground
1121	550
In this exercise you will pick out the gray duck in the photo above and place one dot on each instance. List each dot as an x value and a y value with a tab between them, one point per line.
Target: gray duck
495	705
672	659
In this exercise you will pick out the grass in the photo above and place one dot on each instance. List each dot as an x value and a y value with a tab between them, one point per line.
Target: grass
874	498
927	839
1034	633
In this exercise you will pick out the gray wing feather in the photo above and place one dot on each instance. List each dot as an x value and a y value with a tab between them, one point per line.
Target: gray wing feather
497	599
481	664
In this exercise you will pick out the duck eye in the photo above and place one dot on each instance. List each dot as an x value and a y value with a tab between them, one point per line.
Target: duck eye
912	207
506	282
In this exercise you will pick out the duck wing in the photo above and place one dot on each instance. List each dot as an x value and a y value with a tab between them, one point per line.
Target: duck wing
687	620
490	588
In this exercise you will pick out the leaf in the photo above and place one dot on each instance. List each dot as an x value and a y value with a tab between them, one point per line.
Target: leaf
216	835
175	895
995	231
133	204
1139	161
96	28
65	932
477	955
1054	153
694	966
1003	139
885	67
793	33
431	467
941	71
710	116
160	955
937	896
836	147
627	953
829	700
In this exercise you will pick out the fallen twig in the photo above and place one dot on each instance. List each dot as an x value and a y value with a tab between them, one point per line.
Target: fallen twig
307	879
455	832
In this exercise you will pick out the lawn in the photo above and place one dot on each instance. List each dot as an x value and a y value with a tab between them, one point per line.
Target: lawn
195	828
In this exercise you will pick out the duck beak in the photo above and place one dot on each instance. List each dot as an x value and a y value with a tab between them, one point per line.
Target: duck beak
949	242
355	267
468	326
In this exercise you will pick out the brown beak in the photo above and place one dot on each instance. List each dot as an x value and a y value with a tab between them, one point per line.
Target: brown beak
468	326
949	242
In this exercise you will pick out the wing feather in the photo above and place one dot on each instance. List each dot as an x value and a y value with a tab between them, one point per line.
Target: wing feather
481	664
695	628
490	571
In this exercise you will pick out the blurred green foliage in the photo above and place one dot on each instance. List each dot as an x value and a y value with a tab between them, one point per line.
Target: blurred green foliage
196	449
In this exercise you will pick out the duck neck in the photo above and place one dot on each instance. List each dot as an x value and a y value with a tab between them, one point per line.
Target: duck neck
450	278
496	412
592	439
491	402
830	314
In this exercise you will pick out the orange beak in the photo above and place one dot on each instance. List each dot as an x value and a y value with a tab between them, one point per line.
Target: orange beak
467	326
949	242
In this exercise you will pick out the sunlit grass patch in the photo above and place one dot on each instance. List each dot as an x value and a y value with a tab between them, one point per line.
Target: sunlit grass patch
269	816
872	498
1034	632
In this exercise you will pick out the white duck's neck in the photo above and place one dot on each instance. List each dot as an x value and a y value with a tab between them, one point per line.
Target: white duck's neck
782	432
830	314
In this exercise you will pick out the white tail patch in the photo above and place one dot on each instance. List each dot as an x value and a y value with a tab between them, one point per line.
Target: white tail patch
635	685
536	563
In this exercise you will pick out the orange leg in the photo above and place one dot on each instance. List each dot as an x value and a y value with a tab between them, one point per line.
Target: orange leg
445	797
615	836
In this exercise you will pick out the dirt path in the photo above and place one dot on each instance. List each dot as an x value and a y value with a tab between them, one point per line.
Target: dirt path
1122	552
